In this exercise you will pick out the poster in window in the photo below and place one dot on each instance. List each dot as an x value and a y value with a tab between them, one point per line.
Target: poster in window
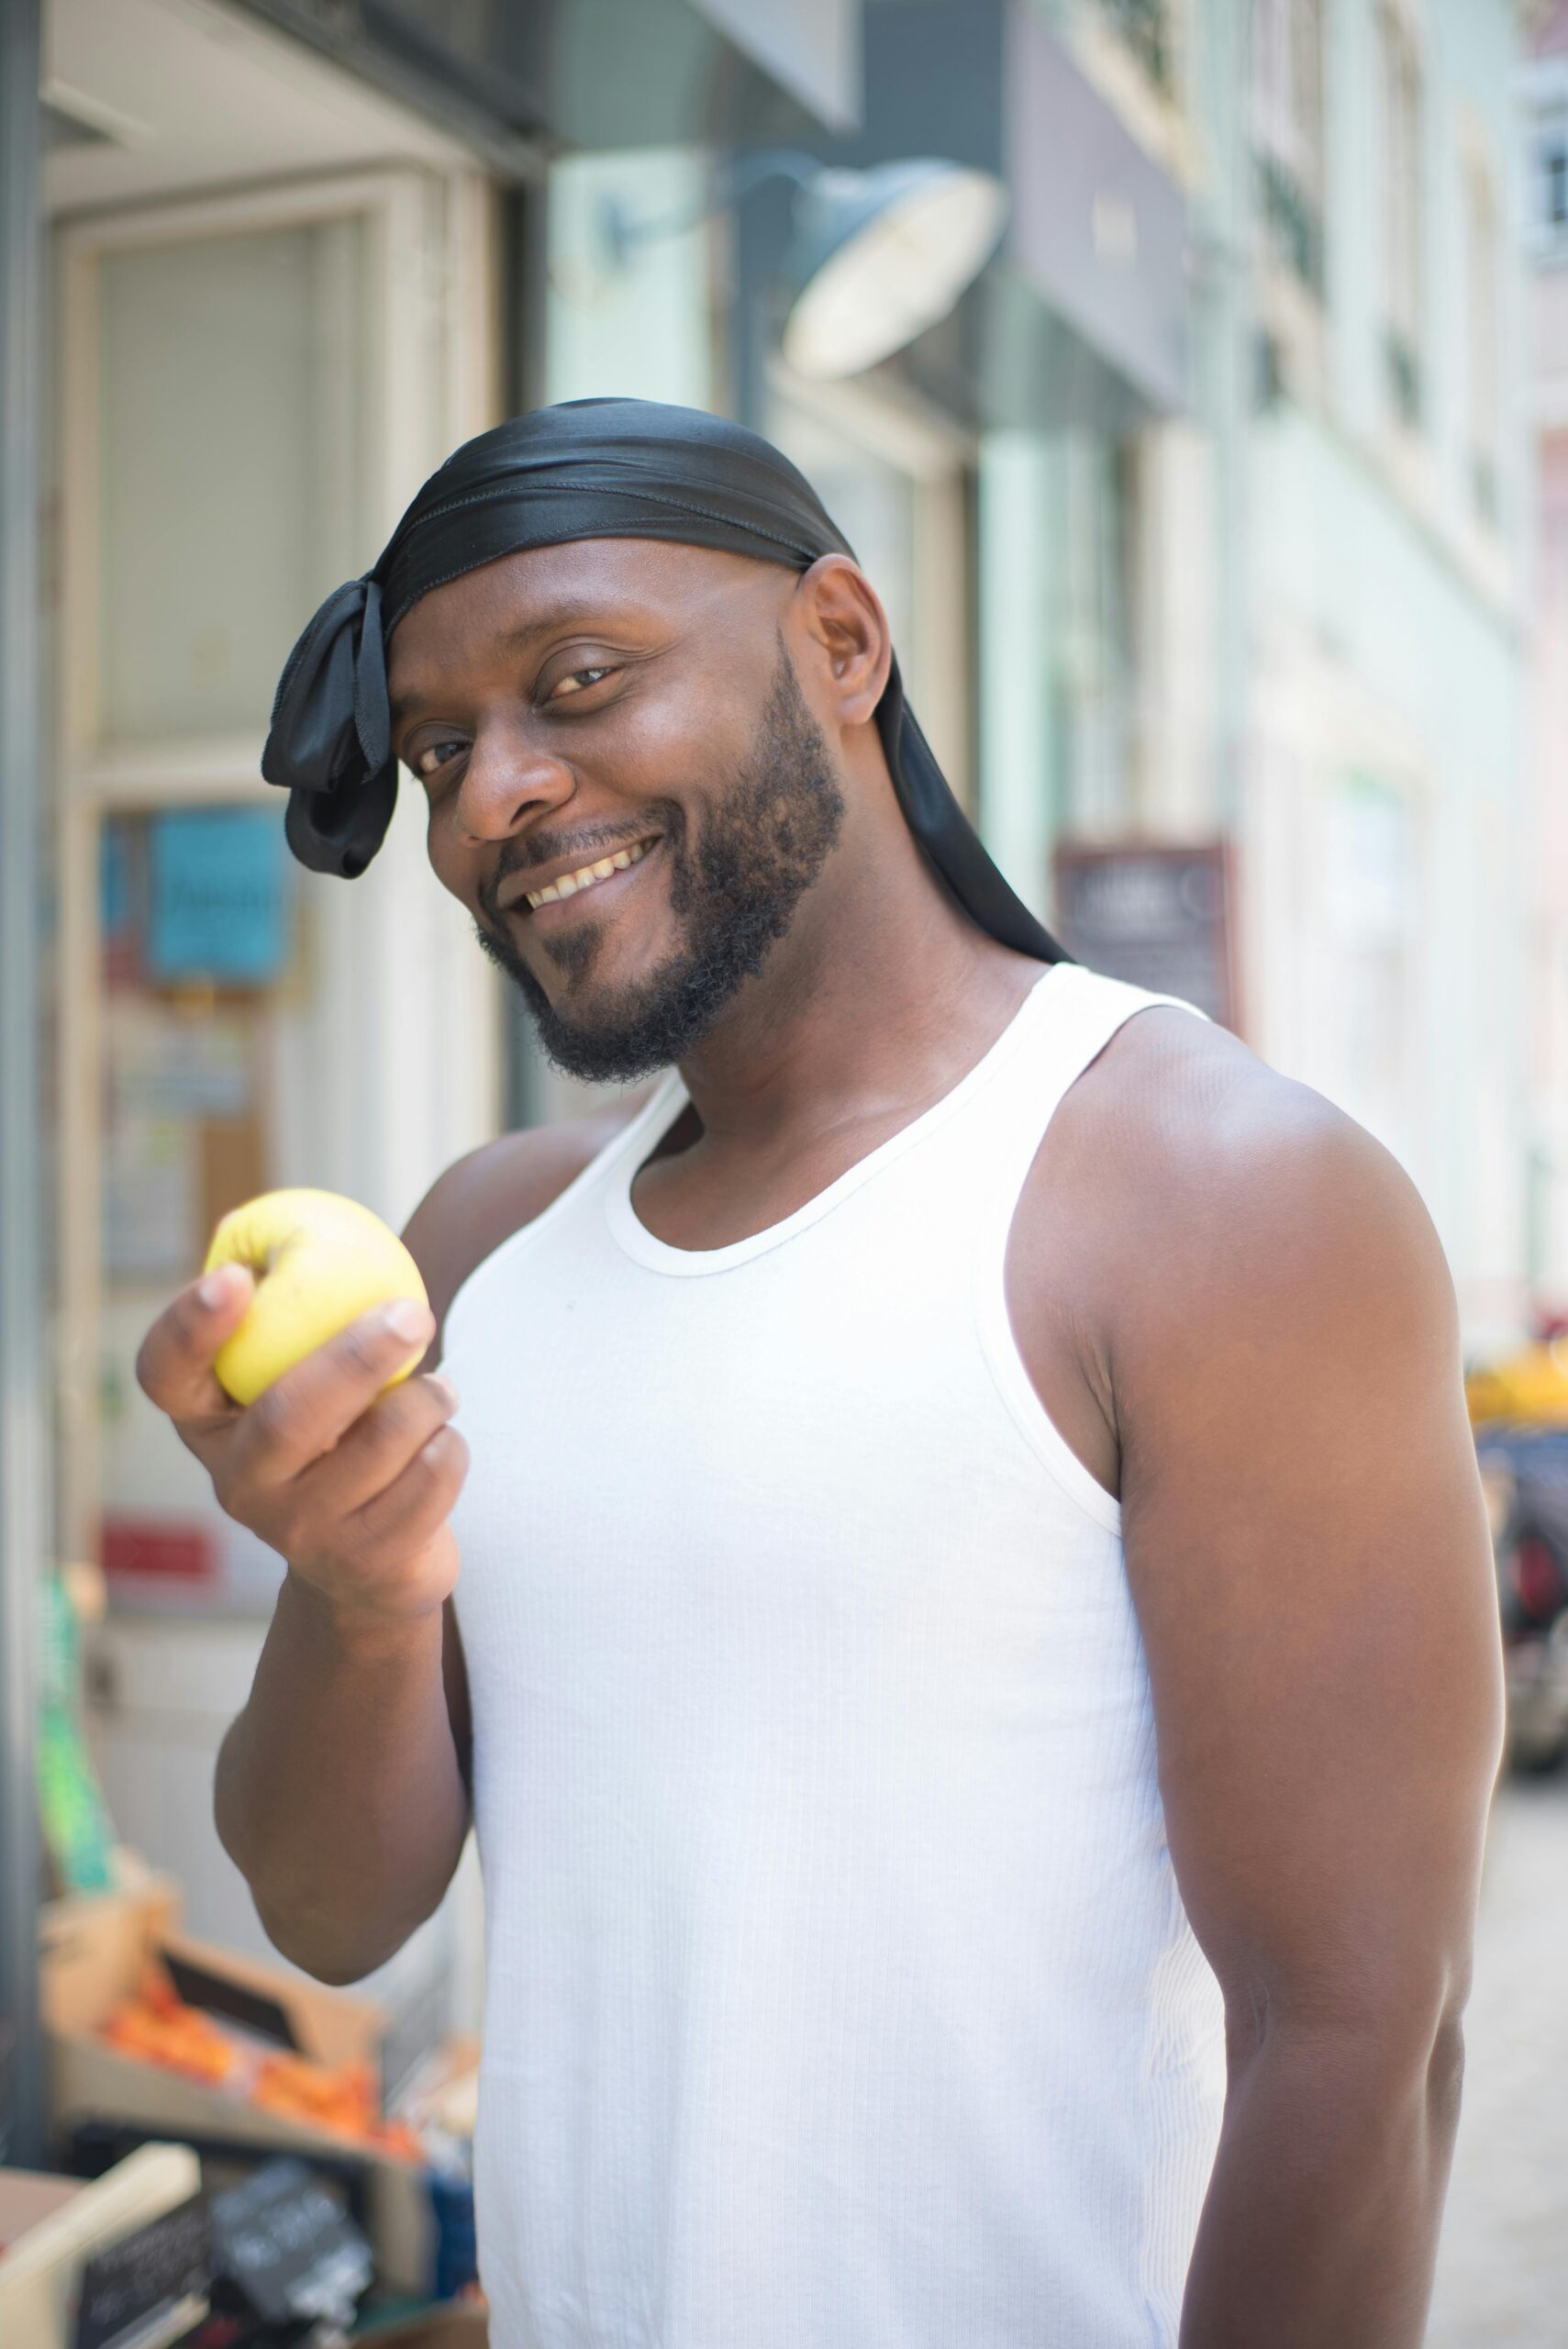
220	892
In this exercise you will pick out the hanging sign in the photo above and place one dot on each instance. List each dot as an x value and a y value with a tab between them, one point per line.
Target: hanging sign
1156	915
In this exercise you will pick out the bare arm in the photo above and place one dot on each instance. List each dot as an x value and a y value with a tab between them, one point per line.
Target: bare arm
342	1788
1308	1550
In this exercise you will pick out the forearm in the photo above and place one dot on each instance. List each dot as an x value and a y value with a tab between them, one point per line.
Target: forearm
1320	2226
339	1792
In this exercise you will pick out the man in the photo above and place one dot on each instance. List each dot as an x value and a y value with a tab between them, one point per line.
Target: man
974	1643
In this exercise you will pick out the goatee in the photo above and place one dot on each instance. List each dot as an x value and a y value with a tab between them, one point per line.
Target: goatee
761	848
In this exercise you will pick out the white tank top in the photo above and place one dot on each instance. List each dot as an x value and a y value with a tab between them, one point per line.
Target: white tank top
840	1994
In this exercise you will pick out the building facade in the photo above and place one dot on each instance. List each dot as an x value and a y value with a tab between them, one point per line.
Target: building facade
288	258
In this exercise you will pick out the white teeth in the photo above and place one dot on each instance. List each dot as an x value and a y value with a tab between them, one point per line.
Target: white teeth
569	883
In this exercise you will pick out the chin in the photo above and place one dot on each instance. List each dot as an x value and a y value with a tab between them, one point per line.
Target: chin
600	992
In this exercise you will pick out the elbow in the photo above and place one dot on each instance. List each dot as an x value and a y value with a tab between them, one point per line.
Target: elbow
1445	2072
1390	2038
334	1951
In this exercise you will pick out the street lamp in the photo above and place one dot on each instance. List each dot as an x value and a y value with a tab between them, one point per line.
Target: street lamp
877	256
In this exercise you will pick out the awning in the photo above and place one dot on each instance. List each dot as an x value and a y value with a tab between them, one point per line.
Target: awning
601	74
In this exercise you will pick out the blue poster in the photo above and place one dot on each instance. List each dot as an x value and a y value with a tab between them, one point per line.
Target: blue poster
220	897
114	879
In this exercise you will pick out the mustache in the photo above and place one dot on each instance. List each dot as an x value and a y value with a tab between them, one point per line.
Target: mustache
583	846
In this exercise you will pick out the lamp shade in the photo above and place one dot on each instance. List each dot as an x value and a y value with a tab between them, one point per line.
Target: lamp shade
881	255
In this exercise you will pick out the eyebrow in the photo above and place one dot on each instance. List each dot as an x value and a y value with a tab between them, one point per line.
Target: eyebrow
560	617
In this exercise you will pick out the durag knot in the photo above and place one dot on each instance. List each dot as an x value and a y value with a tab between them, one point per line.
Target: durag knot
330	741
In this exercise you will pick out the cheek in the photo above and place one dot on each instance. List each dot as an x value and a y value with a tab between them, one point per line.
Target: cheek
684	740
456	867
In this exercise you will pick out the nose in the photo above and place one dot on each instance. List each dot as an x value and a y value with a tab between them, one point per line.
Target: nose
507	783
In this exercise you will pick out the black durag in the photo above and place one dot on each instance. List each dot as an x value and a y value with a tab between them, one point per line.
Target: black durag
588	469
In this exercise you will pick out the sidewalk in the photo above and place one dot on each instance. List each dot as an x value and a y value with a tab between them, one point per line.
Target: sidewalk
1503	2266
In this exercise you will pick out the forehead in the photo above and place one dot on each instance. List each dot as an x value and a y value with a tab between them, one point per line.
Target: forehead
543	591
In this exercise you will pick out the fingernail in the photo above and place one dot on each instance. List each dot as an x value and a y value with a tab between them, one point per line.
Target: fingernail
447	1392
211	1292
408	1320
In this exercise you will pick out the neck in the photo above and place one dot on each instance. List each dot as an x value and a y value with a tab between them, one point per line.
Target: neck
880	997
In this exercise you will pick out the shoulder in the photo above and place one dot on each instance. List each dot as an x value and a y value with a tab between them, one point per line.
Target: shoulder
483	1198
1222	1201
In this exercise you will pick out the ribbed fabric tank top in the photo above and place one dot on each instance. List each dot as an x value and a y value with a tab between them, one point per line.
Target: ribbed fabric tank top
840	1994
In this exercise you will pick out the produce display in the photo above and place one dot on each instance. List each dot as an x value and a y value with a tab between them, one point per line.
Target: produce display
320	1261
157	2027
1529	1389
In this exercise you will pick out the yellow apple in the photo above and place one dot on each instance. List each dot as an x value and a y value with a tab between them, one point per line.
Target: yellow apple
320	1261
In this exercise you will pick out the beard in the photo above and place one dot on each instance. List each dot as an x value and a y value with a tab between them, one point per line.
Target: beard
735	893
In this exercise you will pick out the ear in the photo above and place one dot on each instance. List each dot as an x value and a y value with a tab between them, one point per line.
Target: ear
838	612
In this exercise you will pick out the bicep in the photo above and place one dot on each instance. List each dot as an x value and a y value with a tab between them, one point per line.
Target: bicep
1308	1550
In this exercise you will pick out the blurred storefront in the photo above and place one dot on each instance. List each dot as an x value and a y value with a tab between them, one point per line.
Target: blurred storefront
293	257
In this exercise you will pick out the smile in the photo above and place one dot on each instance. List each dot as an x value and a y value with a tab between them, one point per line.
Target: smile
588	877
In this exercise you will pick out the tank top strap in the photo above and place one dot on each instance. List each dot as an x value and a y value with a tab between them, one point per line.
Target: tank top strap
1070	1019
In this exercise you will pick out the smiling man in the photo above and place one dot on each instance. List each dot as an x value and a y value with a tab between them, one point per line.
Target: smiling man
960	1609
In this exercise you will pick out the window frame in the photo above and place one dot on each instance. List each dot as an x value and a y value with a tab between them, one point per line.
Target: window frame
1402	115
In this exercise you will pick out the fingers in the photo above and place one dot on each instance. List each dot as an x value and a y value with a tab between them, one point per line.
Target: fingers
175	1365
406	1518
307	1411
376	1449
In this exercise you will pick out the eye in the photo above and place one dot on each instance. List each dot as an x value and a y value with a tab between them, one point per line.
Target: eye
431	757
578	681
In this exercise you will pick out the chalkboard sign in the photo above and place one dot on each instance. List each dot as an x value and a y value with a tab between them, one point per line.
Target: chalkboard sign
1158	915
284	2239
216	1994
152	2287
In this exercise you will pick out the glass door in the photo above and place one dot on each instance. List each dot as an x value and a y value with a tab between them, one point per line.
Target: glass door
895	483
252	386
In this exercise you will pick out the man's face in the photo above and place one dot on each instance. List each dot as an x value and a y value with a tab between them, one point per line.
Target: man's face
626	787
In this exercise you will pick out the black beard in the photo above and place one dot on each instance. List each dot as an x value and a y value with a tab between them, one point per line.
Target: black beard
761	848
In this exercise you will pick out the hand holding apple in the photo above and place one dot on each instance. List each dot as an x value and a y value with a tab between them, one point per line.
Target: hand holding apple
318	1262
286	1369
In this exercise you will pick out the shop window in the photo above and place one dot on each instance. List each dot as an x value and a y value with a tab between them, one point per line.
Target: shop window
230	471
1401	108
246	399
1548	192
1096	654
1483	331
1144	27
197	919
1287	71
1365	1011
